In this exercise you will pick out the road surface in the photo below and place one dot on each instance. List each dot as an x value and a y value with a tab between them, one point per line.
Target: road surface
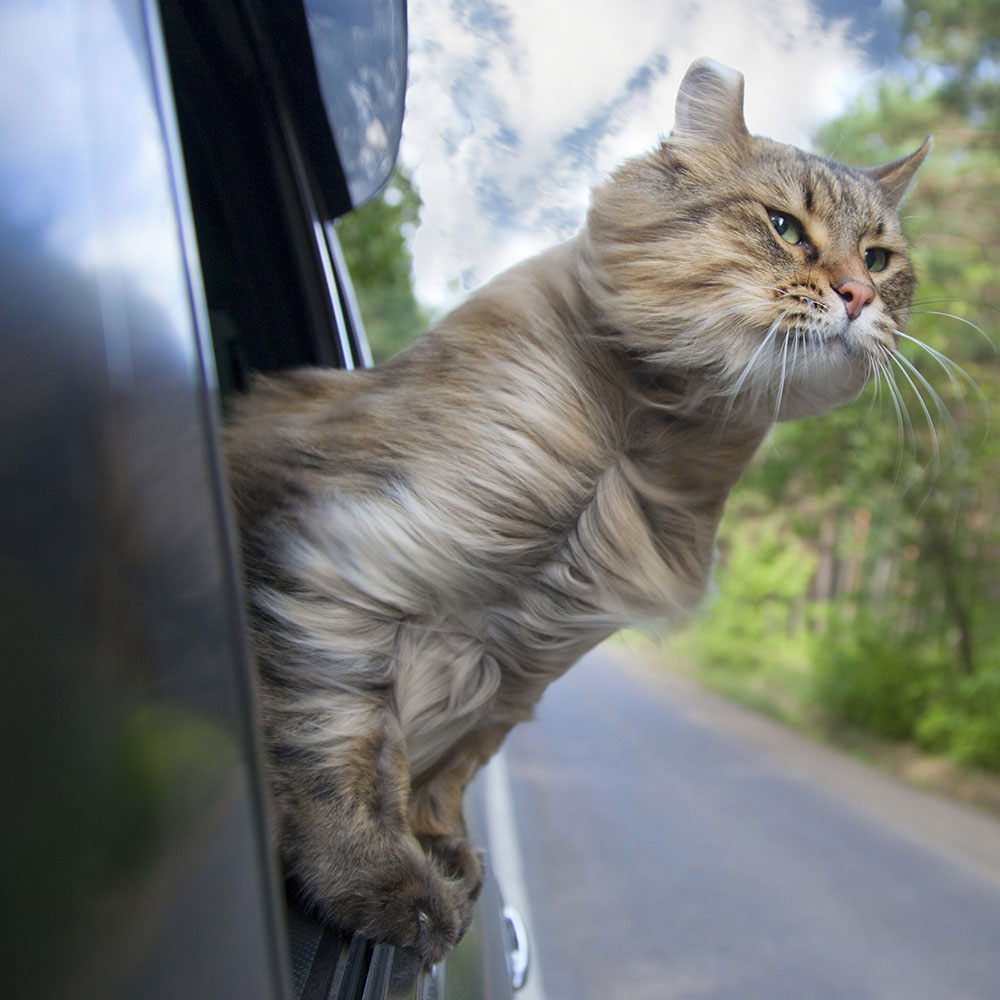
674	847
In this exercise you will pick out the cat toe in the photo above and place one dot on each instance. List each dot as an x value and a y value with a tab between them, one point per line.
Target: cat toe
457	859
434	938
426	913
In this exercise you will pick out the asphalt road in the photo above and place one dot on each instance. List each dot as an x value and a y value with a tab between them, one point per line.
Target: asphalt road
675	847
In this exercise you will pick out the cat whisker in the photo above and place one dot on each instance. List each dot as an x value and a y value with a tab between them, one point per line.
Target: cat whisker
949	298
903	422
913	377
781	380
917	305
961	319
947	365
943	412
734	391
951	369
666	361
923	389
871	382
800	338
875	381
934	465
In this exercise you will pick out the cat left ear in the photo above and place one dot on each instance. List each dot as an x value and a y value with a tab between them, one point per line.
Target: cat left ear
710	104
895	178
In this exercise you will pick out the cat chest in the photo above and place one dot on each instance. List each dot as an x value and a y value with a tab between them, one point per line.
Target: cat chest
618	565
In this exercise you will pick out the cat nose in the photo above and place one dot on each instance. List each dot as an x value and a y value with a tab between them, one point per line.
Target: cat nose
856	295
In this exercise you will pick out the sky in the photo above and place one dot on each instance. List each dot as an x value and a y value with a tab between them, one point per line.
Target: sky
516	108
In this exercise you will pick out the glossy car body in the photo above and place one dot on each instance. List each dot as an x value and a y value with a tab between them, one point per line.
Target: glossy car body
168	177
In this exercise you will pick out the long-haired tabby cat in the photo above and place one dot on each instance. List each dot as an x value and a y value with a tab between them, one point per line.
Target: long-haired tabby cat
430	543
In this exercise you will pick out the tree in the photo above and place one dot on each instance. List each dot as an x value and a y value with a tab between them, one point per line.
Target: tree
375	240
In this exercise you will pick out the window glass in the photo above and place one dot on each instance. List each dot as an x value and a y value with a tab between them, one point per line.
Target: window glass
360	54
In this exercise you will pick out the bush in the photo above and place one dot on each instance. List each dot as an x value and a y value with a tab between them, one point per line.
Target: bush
750	625
873	682
965	722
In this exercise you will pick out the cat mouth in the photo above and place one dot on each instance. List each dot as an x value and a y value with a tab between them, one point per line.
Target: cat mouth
823	334
805	339
809	323
811	336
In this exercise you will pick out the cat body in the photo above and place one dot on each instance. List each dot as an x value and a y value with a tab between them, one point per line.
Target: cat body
428	544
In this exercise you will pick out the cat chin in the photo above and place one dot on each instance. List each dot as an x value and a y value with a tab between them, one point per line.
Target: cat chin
836	364
796	406
822	386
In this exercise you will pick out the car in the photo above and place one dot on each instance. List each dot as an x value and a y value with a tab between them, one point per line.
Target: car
170	173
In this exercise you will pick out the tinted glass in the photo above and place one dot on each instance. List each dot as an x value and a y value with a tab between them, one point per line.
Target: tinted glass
360	55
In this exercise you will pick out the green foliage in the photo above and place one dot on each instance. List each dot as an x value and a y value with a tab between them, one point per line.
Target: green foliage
375	240
751	625
957	46
965	721
873	681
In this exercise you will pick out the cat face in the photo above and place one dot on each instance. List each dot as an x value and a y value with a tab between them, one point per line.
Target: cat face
778	278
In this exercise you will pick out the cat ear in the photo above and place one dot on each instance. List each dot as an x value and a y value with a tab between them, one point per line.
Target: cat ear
710	104
895	178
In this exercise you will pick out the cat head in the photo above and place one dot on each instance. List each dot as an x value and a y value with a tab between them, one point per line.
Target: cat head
774	279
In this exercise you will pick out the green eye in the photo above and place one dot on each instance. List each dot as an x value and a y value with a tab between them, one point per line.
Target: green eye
876	259
786	226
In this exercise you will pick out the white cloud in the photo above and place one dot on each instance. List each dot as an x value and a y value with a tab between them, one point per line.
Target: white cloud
517	107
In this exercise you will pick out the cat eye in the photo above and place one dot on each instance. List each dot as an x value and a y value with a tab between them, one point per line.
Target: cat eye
876	259
786	226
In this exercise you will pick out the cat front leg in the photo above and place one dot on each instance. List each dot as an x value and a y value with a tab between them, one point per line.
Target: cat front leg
439	825
346	837
436	808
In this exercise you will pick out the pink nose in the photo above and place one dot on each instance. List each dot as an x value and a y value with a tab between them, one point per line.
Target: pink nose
856	295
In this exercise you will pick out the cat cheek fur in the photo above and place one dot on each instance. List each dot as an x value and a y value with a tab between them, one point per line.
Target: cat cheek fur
429	544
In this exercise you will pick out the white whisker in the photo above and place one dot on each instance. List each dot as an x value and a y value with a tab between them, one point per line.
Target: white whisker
734	390
934	465
911	372
875	382
951	369
768	340
902	415
961	319
781	381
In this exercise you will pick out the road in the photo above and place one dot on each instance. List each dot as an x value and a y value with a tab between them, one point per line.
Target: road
675	847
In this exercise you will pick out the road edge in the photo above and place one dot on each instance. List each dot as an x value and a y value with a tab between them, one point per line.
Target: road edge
957	831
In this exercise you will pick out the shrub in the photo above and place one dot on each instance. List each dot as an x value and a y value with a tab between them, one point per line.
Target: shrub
965	721
873	682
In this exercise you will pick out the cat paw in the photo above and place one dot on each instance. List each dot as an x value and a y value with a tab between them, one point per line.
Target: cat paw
457	859
427	914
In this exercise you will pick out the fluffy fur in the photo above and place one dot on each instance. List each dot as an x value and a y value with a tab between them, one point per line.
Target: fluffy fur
430	543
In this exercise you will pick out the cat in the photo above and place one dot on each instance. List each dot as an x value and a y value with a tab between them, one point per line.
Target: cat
429	543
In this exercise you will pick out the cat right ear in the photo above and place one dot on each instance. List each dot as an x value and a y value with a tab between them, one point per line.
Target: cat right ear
895	178
710	105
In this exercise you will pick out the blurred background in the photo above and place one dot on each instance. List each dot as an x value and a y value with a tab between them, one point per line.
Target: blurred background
859	581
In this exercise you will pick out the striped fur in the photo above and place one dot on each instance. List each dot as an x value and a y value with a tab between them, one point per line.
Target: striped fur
430	543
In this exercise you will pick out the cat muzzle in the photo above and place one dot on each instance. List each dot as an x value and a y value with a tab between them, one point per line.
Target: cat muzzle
856	295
